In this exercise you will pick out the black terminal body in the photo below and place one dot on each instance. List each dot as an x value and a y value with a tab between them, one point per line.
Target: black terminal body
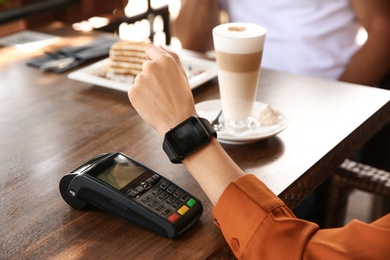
118	184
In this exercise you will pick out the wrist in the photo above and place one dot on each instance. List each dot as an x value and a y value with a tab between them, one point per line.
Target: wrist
168	123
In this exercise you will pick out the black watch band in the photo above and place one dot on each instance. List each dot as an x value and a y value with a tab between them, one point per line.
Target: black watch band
187	137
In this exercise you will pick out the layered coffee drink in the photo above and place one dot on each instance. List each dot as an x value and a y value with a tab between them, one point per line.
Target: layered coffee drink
239	49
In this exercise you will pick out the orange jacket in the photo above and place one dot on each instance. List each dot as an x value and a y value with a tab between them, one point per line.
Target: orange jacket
258	225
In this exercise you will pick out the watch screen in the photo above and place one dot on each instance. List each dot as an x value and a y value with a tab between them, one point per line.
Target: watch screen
187	137
120	173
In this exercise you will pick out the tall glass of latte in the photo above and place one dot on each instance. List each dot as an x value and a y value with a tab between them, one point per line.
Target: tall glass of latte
238	48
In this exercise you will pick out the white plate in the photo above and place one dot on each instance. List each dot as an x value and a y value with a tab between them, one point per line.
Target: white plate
210	109
198	71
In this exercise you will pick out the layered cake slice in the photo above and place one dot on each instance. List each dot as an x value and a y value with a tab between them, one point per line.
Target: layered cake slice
127	57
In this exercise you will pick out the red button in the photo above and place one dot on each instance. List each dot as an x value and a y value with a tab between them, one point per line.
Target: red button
172	218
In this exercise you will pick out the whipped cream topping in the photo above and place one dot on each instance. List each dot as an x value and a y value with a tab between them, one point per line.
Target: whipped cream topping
268	116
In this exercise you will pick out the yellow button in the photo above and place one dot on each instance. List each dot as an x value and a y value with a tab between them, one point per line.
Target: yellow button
183	210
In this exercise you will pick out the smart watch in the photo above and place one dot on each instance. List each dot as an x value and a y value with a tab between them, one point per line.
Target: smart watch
187	137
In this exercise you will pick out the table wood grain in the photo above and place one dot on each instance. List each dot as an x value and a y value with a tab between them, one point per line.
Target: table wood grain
50	124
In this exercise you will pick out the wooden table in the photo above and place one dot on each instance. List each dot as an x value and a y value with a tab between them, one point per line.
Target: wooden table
50	124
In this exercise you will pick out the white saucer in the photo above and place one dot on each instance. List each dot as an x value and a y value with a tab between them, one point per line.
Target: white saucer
210	109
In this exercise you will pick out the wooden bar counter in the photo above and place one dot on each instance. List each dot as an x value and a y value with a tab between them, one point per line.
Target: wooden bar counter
50	124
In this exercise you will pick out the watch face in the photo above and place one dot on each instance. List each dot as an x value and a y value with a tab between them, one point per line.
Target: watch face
187	137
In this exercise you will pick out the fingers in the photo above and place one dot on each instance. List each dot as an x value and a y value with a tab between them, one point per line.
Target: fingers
176	57
154	53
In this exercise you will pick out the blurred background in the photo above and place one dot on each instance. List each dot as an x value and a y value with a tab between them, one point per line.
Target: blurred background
129	19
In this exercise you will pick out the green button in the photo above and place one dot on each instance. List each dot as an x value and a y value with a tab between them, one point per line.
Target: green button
191	202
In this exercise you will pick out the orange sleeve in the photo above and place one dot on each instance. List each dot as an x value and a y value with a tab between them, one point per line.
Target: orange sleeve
258	225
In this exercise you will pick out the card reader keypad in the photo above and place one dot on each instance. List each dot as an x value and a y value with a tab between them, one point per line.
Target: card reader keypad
163	197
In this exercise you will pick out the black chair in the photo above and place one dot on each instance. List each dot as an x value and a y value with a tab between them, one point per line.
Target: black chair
349	176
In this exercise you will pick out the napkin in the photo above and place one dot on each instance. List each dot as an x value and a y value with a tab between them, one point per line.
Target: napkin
96	49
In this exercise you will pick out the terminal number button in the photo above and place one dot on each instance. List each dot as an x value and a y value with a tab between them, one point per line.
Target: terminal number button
184	197
164	185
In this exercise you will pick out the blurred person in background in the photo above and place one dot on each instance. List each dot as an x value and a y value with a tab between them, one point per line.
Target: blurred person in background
315	38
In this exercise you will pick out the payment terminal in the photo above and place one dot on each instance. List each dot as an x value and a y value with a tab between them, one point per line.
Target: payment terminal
118	184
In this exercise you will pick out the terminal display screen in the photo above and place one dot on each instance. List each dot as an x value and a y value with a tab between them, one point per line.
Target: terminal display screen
121	174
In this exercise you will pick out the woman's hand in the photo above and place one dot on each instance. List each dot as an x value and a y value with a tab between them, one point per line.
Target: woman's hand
162	97
161	93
